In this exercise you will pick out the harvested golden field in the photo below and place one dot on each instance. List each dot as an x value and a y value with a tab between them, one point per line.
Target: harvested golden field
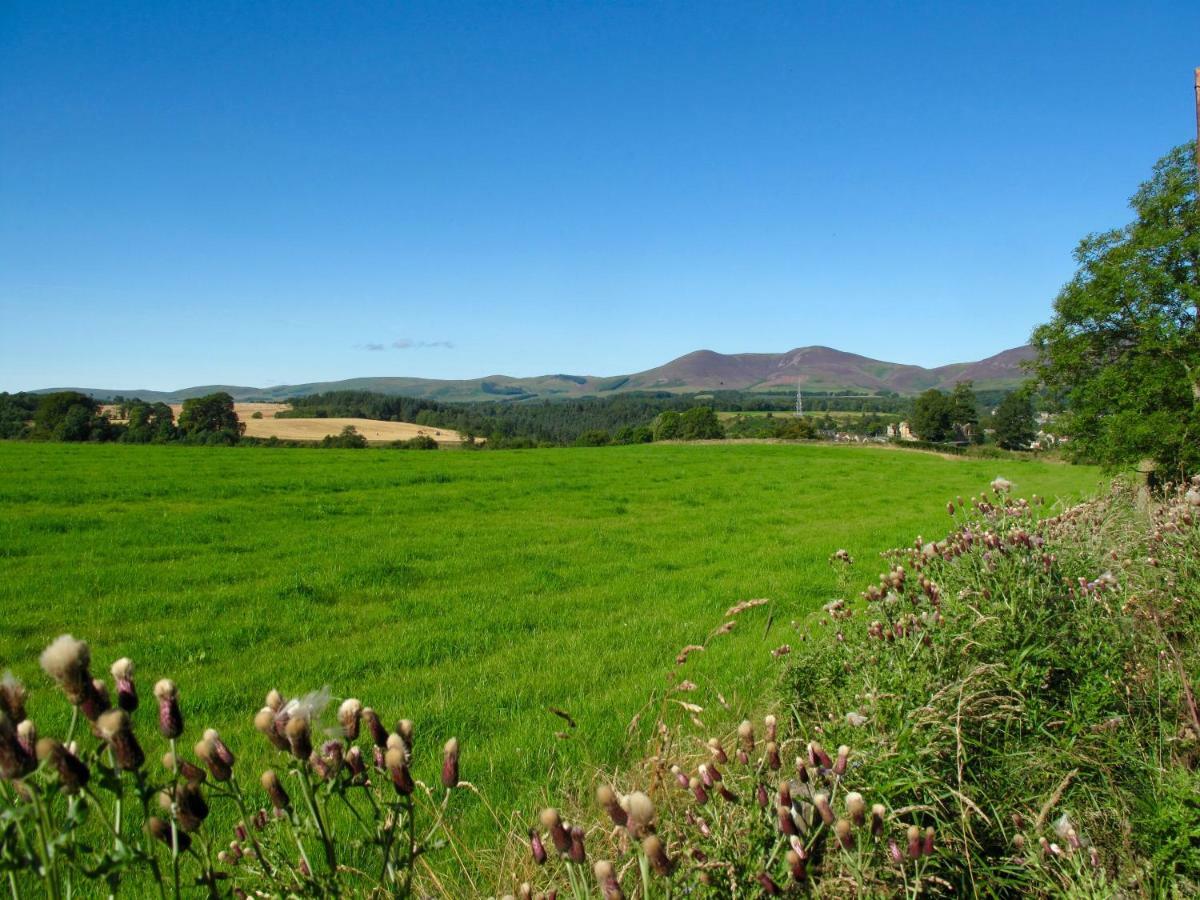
377	432
314	429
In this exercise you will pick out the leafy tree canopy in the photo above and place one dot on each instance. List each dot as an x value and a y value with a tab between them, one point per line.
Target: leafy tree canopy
1121	355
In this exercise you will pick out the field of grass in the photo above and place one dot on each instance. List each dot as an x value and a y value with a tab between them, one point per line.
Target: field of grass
467	591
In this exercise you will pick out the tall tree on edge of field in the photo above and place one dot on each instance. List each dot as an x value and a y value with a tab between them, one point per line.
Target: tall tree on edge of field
1121	355
1014	421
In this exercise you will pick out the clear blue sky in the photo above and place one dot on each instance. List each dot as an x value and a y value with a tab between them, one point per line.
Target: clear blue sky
261	193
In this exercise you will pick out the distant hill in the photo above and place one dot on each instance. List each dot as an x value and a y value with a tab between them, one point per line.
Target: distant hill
816	368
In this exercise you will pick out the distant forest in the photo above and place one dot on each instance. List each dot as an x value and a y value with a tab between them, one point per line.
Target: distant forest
622	418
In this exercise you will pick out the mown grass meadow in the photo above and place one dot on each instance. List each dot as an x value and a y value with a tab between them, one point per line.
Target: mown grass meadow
467	591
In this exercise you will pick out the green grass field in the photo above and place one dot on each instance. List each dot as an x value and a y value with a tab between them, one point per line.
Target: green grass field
467	591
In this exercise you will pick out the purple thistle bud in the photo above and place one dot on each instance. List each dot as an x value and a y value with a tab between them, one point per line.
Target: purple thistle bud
821	802
170	718
717	751
762	798
845	836
206	752
656	852
536	847
878	811
576	852
115	730
773	761
607	799
275	792
397	767
73	775
349	714
914	842
726	794
299	737
894	851
786	824
746	736
264	723
697	787
354	761
606	879
160	830
12	697
927	846
680	777
797	865
706	776
240	830
375	728
552	822
843	755
770	888
380	764
450	764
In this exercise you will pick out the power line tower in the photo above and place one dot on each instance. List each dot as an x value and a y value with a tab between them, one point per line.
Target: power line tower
799	400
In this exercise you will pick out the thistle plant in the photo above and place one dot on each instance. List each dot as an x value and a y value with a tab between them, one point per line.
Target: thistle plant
95	805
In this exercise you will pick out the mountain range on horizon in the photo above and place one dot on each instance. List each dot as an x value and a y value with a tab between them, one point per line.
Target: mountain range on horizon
816	369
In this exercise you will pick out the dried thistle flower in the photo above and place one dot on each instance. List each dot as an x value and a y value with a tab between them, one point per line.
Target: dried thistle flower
354	761
746	736
606	879
188	771
122	673
821	802
817	756
160	830
845	834
772	724
14	760
843	756
405	729
773	761
878	812
552	822
796	865
770	888
66	661
787	825
914	841
191	809
216	763
114	729
450	764
927	846
349	714
275	792
856	808
577	853
274	701
639	810
656	852
717	751
607	798
12	697
299	737
397	769
170	717
264	722
27	737
536	848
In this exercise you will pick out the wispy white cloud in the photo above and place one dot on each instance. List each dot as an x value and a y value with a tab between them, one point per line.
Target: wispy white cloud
411	344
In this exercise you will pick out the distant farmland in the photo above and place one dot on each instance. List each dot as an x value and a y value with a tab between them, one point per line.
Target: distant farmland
375	431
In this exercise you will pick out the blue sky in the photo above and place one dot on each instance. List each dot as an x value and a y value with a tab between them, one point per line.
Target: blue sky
262	193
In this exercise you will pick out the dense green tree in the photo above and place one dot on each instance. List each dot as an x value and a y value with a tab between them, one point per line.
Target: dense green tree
1121	354
53	410
1014	421
210	420
593	438
667	426
797	428
700	423
964	411
148	423
932	416
348	439
16	411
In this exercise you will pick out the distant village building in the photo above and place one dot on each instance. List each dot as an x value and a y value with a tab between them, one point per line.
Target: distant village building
901	432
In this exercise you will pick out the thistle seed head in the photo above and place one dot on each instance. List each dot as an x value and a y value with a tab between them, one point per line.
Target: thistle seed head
607	798
639	814
12	697
349	714
656	852
275	792
170	717
66	661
